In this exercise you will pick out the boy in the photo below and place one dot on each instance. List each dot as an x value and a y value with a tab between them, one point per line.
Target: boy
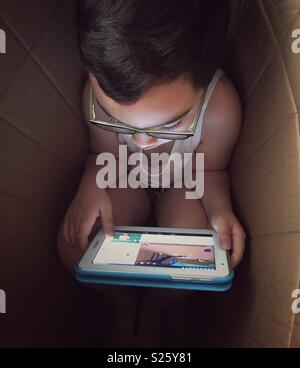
154	64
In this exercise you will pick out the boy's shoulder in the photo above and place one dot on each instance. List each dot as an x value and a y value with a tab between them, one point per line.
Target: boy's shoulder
222	124
224	107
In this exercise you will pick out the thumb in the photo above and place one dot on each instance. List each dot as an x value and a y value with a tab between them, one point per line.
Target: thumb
225	240
224	236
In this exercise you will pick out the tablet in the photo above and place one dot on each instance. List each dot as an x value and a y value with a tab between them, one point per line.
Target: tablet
158	257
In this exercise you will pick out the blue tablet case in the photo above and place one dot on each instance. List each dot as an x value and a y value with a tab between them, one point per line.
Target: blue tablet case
160	281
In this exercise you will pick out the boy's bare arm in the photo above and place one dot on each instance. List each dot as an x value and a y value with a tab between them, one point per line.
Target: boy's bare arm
221	133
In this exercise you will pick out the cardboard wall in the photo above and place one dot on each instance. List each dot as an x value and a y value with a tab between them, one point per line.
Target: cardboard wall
265	170
43	145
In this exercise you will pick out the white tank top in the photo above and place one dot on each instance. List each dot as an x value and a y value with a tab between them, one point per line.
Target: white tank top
188	145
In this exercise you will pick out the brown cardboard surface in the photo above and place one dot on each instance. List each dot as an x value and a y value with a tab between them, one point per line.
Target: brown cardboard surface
39	174
22	19
13	61
265	111
51	53
284	18
266	185
260	72
238	10
265	170
269	321
43	144
26	103
295	339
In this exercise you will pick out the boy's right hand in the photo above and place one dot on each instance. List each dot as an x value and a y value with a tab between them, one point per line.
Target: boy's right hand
82	214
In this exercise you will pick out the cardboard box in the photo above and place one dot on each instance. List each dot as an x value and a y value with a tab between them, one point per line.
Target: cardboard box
41	81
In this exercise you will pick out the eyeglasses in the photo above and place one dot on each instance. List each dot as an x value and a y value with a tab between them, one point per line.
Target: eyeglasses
122	128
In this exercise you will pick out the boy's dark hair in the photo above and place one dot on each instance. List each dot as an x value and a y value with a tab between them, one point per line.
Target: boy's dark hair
132	45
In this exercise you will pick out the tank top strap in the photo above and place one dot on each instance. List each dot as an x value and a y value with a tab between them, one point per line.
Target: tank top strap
210	89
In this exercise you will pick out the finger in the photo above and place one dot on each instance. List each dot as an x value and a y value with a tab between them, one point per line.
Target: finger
84	230
107	219
95	227
238	248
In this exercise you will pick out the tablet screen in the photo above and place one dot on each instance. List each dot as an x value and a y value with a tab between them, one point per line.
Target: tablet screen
158	250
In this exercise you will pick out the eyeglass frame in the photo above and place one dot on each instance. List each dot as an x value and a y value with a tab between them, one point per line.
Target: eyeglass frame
101	123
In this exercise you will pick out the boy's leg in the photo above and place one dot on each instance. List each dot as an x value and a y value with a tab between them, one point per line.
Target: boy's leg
172	210
124	298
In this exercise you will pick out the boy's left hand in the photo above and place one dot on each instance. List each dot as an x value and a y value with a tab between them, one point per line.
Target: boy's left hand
231	234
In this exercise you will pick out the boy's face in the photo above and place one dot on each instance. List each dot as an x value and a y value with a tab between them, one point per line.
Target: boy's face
158	106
